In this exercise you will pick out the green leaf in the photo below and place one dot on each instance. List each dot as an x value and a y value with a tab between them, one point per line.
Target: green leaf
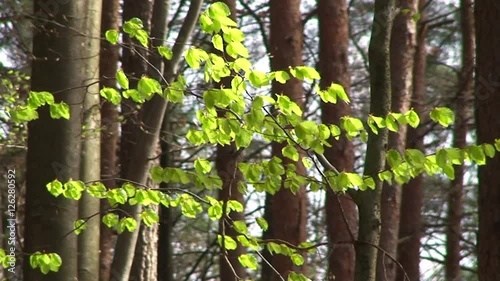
290	152
23	114
297	259
122	79
194	57
240	226
233	205
489	150
229	242
132	25
219	9
262	223
129	224
142	37
293	276
217	42
443	116
55	188
110	220
412	118
338	91
415	157
37	99
79	226
202	166
394	158
112	36
165	52
248	261
148	86
59	110
258	78
390	123
281	76
149	217
111	95
97	190
352	125
476	154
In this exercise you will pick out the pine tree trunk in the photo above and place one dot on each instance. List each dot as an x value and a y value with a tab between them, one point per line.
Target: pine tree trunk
487	16
333	67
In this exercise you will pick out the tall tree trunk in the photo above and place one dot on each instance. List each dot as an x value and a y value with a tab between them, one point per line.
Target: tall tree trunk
288	210
143	150
463	104
380	101
226	162
487	16
403	41
54	145
89	206
333	67
412	201
110	134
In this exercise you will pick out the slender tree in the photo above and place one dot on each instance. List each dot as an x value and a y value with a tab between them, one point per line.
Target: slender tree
412	201
488	124
89	206
341	212
54	145
403	41
380	101
110	134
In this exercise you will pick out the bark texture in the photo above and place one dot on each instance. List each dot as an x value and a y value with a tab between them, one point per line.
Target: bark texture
487	16
89	206
403	41
380	101
110	135
333	67
54	145
412	201
288	210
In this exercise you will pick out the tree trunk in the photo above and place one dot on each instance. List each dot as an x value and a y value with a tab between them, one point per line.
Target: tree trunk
380	101
487	15
333	67
412	201
110	134
288	210
403	41
54	145
143	150
463	105
90	170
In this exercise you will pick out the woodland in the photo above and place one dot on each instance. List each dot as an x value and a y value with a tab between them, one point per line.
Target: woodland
348	140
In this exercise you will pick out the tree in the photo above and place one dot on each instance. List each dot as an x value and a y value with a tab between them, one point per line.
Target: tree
403	41
341	212
54	145
487	102
463	112
288	208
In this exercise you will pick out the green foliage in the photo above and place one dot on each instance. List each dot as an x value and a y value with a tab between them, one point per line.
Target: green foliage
236	114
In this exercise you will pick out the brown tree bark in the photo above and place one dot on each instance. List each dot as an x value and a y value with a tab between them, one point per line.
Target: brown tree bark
487	16
288	210
403	41
226	162
463	105
412	201
110	135
380	101
333	67
54	145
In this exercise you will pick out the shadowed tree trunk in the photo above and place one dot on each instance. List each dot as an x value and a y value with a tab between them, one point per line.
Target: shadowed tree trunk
487	16
89	206
380	101
412	201
463	105
110	135
287	211
333	67
403	41
226	163
54	145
